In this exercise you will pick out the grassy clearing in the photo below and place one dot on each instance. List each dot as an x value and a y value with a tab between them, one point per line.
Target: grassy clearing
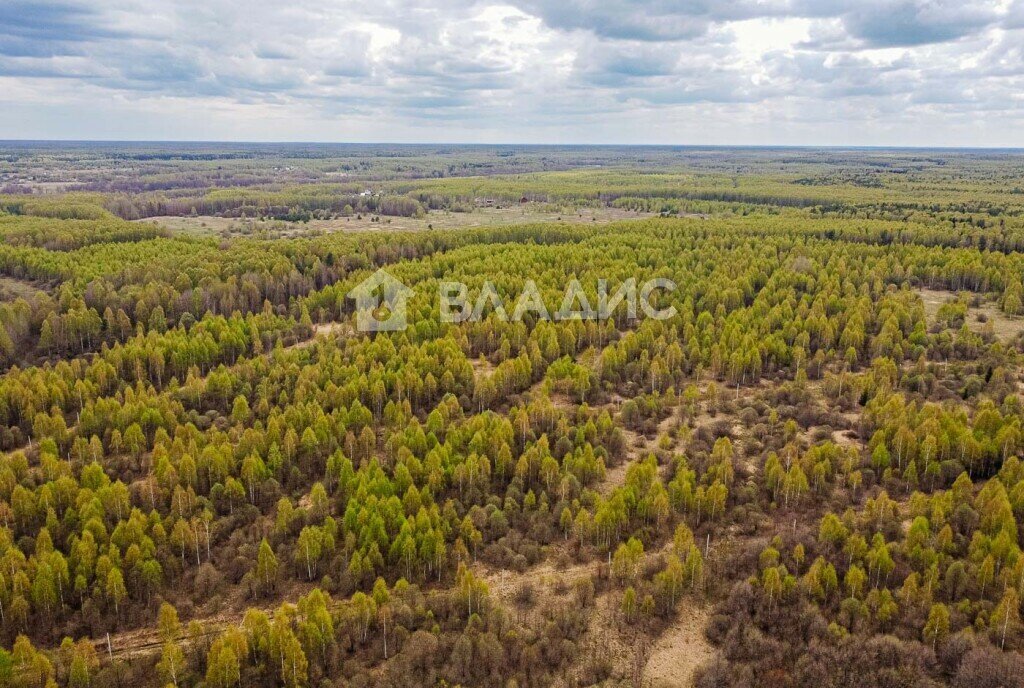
207	225
979	318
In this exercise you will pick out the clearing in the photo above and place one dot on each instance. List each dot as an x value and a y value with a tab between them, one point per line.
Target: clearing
670	661
680	650
211	225
1005	327
323	330
12	289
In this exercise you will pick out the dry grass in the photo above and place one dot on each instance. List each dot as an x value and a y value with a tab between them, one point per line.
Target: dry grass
1004	327
323	330
481	217
482	368
680	651
12	289
629	649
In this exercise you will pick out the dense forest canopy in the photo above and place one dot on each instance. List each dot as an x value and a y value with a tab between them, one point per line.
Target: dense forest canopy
810	474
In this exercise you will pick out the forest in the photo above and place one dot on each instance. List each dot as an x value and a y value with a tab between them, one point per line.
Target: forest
811	474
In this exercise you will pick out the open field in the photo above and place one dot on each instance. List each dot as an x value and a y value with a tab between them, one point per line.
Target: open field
480	217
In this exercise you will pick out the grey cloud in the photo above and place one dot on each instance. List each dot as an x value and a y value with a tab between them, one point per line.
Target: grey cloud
272	53
653	21
874	23
917	22
666	20
638	65
1015	15
41	28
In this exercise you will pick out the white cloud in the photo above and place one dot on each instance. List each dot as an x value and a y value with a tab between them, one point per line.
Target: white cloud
646	71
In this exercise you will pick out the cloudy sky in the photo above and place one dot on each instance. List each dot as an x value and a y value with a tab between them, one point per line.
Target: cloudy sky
830	72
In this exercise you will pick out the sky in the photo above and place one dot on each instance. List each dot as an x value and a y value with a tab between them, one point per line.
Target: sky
742	72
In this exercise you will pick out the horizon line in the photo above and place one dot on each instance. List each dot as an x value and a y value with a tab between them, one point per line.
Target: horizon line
740	146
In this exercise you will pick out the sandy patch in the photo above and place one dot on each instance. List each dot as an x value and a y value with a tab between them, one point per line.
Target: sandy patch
680	650
322	330
1004	327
